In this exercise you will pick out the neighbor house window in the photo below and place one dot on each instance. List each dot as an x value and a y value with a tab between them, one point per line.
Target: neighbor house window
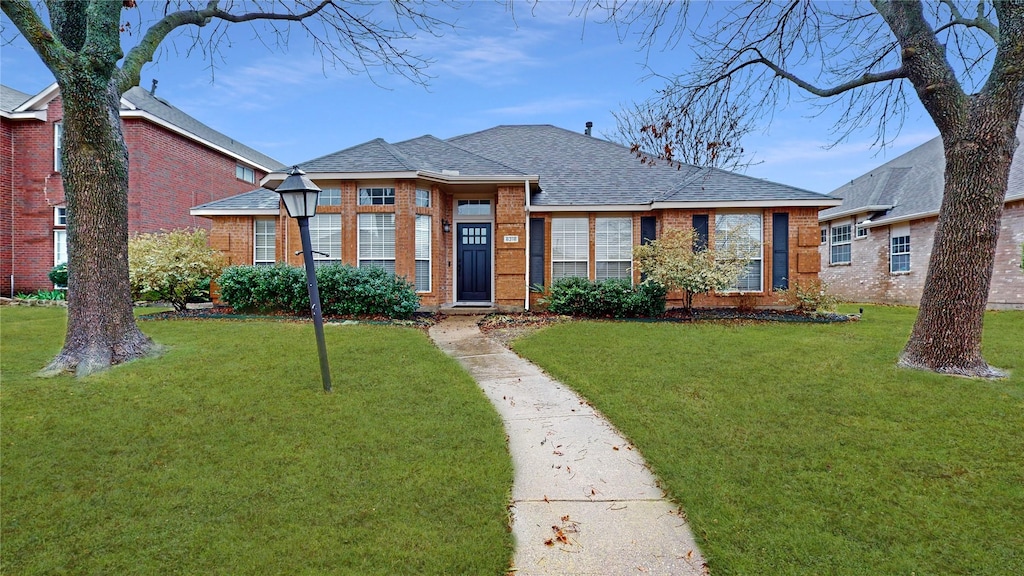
473	208
570	247
840	245
377	241
899	249
376	196
423	198
264	241
613	248
329	197
325	238
422	253
824	234
862	230
60	247
743	233
58	145
60	216
245	173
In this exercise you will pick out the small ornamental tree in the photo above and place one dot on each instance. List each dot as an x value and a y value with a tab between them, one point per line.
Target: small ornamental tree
677	262
171	265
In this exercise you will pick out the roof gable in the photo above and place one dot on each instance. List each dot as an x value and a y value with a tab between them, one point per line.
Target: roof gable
911	185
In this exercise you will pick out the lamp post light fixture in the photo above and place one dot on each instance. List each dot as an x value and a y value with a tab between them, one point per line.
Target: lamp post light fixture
300	196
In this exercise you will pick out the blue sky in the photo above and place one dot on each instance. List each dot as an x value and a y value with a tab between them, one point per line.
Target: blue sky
543	66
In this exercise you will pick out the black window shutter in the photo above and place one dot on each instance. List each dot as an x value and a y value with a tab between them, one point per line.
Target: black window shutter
536	251
700	232
648	229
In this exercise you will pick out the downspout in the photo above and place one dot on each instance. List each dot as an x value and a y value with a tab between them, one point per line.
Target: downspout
527	186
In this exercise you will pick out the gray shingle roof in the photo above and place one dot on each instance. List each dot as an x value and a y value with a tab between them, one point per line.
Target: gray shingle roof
254	200
911	184
576	169
439	155
11	98
143	100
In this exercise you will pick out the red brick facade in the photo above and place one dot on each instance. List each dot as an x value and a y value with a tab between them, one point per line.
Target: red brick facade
234	235
168	174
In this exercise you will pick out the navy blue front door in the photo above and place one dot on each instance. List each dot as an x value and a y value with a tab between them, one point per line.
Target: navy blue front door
474	258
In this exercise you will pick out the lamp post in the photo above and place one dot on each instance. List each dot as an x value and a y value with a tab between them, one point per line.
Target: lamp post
300	195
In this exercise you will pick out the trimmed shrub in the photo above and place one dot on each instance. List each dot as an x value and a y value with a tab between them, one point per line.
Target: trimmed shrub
344	290
608	298
59	275
172	266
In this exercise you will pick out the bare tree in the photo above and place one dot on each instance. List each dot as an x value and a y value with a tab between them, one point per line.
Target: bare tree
82	48
963	60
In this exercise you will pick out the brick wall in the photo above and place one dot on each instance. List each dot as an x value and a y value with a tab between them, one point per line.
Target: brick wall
168	174
867	277
803	251
510	257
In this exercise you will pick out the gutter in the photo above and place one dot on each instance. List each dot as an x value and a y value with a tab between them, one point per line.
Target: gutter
856	210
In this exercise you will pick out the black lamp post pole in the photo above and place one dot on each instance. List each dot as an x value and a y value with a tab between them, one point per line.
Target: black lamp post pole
314	301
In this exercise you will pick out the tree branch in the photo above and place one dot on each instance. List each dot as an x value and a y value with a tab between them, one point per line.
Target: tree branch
867	78
980	21
51	51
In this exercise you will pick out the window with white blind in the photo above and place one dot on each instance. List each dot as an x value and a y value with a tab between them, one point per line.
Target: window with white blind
422	253
377	241
613	248
264	241
570	247
58	145
325	238
60	247
899	249
742	231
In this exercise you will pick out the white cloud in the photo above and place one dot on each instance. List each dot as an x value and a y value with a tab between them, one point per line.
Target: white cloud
544	107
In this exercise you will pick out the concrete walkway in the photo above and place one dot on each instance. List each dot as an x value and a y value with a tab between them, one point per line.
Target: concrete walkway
583	500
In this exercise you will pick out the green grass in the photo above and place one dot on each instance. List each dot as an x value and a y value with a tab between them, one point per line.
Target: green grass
225	456
802	449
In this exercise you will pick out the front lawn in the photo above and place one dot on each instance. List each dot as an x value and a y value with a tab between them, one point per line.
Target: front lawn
225	456
802	449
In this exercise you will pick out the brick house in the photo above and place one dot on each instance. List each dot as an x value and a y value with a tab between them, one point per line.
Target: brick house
477	219
163	142
876	245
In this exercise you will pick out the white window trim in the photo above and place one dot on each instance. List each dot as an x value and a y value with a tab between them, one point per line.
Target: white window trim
430	257
57	211
416	199
359	240
832	243
393	196
255	241
760	249
58	145
899	231
318	258
322	196
597	224
248	174
585	259
56	246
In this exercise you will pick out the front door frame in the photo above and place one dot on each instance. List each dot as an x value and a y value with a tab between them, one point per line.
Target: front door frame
472	219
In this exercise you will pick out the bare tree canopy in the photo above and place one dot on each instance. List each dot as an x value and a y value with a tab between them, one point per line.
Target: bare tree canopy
964	61
83	43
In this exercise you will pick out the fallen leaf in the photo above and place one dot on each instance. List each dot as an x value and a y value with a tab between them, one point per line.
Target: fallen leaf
615	447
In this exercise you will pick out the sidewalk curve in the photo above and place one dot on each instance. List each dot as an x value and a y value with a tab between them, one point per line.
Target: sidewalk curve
583	500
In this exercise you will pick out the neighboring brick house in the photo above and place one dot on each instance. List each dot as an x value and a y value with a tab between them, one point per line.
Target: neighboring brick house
174	163
875	247
454	216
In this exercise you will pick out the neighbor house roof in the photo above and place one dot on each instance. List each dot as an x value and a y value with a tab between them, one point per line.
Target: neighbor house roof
566	171
910	186
140	103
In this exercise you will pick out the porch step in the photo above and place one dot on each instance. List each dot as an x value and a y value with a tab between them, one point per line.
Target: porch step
467	310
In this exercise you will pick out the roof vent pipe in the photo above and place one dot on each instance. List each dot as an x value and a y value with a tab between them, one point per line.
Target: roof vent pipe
152	91
590	126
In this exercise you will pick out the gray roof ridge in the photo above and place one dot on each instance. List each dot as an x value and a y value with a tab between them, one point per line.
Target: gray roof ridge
410	162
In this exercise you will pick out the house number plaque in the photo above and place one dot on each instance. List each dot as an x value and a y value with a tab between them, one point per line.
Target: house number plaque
511	239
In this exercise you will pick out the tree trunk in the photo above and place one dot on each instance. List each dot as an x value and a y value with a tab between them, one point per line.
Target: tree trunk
947	334
101	326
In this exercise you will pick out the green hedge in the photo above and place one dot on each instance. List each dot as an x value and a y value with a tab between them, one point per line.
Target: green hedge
344	290
607	298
